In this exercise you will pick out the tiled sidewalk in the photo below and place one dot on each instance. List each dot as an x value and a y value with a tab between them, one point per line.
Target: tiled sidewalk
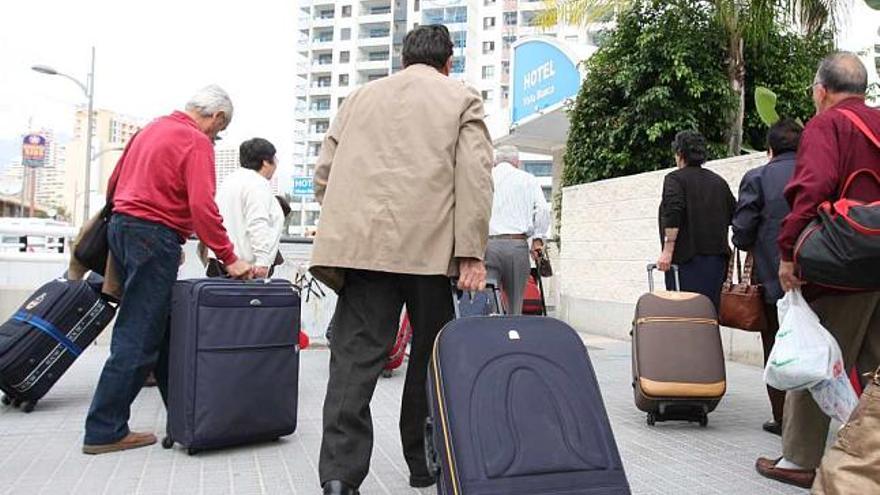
40	452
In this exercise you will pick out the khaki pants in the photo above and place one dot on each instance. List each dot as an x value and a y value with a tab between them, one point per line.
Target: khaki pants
852	466
854	320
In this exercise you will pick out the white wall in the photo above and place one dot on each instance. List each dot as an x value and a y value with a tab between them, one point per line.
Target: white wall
609	234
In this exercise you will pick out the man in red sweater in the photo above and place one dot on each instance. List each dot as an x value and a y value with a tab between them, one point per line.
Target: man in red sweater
832	148
163	192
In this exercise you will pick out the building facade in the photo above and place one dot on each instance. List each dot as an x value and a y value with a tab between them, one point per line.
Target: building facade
111	132
344	44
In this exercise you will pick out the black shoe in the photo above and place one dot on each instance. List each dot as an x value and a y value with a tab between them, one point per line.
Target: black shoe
336	487
773	427
422	481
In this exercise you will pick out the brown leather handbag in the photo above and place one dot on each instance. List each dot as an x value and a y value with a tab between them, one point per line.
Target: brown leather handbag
742	303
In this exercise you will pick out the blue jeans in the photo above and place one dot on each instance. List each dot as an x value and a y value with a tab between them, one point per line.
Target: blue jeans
147	255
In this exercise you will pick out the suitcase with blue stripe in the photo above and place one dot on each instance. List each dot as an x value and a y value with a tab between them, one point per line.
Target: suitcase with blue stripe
516	409
46	335
233	369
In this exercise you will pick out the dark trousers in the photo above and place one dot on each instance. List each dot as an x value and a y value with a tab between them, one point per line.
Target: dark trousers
147	255
768	336
703	275
365	326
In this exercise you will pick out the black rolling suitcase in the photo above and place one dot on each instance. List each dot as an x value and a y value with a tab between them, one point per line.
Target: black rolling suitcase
233	364
46	335
516	409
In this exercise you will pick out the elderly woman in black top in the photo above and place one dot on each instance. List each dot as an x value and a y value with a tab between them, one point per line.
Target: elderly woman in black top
695	213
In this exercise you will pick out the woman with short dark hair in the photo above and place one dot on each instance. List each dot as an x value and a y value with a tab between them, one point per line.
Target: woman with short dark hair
695	212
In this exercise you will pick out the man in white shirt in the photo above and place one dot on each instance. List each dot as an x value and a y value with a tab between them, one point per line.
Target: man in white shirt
519	212
251	213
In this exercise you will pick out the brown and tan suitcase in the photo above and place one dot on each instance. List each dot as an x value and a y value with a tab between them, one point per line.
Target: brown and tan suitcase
677	358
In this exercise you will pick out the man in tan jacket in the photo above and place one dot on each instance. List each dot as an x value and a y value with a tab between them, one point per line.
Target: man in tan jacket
404	180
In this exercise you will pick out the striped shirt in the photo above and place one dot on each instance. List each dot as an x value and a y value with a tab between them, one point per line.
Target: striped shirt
518	205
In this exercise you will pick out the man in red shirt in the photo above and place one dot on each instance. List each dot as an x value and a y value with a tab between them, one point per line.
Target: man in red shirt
163	192
832	148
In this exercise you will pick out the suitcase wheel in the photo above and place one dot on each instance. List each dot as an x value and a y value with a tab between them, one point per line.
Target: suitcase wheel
652	419
192	451
6	400
704	420
16	403
28	406
167	443
387	373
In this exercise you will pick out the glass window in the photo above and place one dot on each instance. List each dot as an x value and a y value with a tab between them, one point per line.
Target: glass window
488	22
510	18
488	71
488	47
344	57
539	168
488	95
345	34
343	79
346	11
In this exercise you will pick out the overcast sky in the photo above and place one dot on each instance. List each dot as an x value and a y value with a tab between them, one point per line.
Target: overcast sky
151	56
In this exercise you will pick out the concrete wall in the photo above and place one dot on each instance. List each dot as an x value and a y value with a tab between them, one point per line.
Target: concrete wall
609	234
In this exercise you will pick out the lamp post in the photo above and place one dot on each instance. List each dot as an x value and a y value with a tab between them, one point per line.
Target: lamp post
89	90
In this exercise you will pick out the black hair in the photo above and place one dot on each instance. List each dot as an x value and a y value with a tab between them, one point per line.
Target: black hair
253	152
429	44
843	72
784	136
285	206
691	145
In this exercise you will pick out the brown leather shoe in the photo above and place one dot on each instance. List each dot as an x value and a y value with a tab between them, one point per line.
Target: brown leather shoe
797	477
133	440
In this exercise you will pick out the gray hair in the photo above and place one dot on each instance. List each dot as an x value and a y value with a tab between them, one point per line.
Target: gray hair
509	154
210	100
843	72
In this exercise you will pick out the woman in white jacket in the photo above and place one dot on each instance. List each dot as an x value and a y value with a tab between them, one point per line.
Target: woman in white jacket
251	214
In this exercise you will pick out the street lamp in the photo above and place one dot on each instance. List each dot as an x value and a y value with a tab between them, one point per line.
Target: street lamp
89	90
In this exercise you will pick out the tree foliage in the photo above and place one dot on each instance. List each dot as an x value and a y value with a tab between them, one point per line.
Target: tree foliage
661	71
786	64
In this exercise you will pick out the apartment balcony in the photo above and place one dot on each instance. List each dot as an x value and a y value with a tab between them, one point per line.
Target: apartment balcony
319	22
320	89
375	40
317	136
373	64
311	159
318	67
304	20
366	17
319	44
315	113
303	68
509	5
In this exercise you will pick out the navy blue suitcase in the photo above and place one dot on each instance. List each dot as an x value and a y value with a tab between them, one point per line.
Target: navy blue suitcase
233	363
46	335
516	409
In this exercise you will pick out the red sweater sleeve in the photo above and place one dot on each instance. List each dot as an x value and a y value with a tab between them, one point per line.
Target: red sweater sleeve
815	180
200	188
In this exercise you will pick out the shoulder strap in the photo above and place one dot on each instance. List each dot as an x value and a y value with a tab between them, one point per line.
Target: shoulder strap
863	127
860	125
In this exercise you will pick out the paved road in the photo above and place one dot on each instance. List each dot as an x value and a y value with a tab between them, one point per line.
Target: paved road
40	452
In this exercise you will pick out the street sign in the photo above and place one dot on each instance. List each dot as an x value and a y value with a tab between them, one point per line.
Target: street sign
544	76
303	186
33	151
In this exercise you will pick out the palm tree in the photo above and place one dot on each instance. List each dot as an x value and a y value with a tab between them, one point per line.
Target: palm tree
741	20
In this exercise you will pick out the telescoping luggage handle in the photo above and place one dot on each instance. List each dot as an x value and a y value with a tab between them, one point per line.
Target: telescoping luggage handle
457	294
652	267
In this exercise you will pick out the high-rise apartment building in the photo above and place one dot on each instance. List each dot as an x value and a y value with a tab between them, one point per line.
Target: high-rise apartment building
225	162
111	132
344	44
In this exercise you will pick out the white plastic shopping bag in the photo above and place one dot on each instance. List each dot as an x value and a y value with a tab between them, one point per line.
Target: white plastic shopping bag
802	352
806	356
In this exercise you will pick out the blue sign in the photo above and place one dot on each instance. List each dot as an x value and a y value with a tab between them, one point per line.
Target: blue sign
543	76
303	186
33	151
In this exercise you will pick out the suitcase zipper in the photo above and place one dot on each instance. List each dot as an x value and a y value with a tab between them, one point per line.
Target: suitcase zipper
443	419
675	319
